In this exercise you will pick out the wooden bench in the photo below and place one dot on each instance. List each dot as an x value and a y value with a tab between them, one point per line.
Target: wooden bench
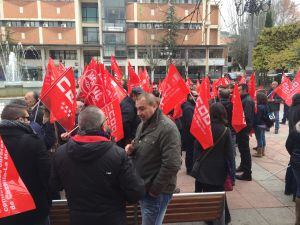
185	207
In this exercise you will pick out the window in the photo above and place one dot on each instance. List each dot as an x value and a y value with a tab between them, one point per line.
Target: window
142	53
32	54
114	38
197	54
90	35
215	53
112	14
131	54
88	55
63	54
116	50
89	12
179	54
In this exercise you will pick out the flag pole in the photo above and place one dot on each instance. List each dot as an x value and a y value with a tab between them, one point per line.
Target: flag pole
36	112
72	130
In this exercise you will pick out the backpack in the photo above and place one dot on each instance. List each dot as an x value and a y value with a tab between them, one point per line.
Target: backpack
268	117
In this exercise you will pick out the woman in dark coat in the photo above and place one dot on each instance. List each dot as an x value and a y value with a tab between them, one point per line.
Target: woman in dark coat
216	163
293	147
259	124
294	112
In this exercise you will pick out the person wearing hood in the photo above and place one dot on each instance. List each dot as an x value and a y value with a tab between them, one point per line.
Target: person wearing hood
293	147
31	159
95	173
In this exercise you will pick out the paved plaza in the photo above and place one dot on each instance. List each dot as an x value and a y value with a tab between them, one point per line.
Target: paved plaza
261	201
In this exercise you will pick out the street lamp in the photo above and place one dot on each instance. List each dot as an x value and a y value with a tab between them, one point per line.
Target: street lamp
253	7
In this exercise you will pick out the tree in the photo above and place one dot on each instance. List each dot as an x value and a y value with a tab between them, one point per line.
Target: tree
285	12
277	48
269	19
171	24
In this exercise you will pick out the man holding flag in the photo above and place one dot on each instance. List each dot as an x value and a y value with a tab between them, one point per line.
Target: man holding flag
242	136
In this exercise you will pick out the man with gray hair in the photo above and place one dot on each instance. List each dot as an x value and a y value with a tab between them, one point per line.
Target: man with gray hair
156	151
95	173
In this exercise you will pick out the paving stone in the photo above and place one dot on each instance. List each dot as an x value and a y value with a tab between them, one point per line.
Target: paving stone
277	216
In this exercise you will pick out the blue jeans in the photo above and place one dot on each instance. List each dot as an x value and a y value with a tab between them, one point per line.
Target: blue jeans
276	113
297	177
260	136
154	209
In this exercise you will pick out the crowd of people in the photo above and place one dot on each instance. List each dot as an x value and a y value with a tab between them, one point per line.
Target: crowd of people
98	176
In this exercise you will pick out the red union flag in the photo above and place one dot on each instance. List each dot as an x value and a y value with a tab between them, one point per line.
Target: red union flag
252	86
174	90
60	99
15	197
113	115
133	79
295	89
284	89
116	69
238	117
201	126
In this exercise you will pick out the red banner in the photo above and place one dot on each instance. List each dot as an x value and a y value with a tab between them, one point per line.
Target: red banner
51	74
15	198
133	79
238	116
201	126
252	86
116	69
174	90
113	115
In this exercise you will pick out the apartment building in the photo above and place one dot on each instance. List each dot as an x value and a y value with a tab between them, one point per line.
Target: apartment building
74	31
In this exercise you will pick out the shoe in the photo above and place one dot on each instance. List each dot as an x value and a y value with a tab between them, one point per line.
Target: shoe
238	170
176	191
258	154
297	211
263	150
276	132
244	177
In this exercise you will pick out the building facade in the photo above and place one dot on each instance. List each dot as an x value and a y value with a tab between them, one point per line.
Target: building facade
74	31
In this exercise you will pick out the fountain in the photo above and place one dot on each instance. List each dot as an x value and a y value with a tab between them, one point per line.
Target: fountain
16	80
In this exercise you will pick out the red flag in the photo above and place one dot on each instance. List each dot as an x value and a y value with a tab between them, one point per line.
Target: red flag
116	69
133	79
205	87
61	68
294	89
238	116
51	75
297	77
284	78
201	125
112	88
174	90
113	115
214	92
198	87
145	80
283	90
252	86
60	99
15	197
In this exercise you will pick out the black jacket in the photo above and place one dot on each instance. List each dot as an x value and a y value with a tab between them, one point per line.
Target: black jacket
294	114
259	115
130	121
98	179
32	161
293	146
215	167
248	106
39	115
187	138
228	106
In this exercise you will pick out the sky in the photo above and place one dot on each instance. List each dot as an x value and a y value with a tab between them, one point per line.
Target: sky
228	6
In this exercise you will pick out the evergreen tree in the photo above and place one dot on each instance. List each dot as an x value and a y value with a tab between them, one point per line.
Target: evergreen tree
269	19
171	25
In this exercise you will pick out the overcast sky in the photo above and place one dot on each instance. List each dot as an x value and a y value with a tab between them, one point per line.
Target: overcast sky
227	6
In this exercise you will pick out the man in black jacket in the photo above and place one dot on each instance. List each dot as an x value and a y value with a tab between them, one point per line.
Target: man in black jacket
243	136
95	173
30	157
274	104
129	117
